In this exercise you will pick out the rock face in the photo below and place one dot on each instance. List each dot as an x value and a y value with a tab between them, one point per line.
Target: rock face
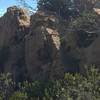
92	53
30	48
40	47
43	46
13	28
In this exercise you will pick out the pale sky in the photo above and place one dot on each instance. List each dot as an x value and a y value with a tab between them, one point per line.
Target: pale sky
4	4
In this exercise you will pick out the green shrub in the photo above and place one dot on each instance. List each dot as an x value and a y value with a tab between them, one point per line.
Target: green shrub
71	87
19	96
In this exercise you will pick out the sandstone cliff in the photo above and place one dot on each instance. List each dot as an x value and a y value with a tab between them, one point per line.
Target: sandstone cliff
42	46
13	28
30	49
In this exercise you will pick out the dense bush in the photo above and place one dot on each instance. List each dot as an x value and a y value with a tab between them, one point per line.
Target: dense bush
64	8
71	87
86	21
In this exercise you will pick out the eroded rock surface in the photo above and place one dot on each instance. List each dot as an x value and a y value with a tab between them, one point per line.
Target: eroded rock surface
41	46
14	25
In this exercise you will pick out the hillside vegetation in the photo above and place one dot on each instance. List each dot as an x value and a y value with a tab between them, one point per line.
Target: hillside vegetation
52	53
71	87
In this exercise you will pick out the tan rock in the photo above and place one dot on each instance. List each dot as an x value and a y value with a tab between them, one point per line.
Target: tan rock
43	47
13	28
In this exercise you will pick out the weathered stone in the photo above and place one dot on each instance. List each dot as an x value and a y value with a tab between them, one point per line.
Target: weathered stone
43	47
13	28
40	46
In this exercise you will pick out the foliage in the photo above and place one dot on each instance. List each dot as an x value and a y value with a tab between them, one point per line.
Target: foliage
67	9
64	8
24	18
85	21
4	52
18	96
6	86
86	28
71	87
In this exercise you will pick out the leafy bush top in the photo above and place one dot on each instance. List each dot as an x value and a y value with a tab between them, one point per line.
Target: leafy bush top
71	87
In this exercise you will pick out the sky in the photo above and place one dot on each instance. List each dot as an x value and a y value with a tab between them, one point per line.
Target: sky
4	4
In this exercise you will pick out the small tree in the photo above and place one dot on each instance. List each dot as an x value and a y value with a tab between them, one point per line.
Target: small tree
64	8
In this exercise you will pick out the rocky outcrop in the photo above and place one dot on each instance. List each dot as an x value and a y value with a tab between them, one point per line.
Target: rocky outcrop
30	48
14	25
42	46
